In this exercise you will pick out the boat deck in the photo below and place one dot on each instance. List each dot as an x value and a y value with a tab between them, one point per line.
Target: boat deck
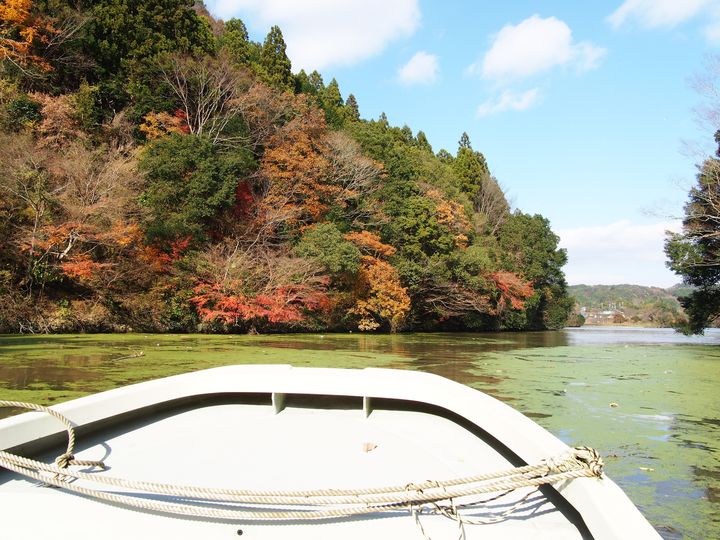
309	442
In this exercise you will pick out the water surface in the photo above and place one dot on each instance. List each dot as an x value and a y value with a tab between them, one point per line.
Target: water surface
645	398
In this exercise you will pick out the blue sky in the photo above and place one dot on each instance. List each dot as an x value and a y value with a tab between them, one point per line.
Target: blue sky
582	109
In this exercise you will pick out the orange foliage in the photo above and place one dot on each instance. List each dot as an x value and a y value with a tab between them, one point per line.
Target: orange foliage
293	169
285	304
452	215
161	258
20	31
157	125
513	289
82	267
370	244
382	298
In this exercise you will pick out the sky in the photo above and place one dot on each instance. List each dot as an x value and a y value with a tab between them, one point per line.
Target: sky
585	111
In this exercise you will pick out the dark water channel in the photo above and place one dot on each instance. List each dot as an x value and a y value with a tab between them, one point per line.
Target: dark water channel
647	399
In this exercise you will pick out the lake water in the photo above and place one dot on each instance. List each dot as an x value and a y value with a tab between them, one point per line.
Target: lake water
647	399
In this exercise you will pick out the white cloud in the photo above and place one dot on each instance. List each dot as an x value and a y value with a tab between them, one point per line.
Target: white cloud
620	252
421	69
323	33
533	46
658	13
509	101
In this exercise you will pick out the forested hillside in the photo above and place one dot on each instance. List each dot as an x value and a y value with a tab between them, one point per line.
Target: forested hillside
159	171
631	304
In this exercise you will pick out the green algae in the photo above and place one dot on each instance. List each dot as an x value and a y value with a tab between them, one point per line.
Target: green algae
647	401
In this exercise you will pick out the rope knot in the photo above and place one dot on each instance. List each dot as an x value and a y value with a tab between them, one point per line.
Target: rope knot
590	458
65	460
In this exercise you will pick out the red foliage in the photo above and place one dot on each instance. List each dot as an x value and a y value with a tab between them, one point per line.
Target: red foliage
161	258
243	200
286	304
182	121
513	289
82	267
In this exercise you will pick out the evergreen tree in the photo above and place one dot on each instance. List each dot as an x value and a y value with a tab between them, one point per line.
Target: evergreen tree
422	142
236	42
274	61
302	83
694	254
407	134
332	103
316	82
470	167
351	105
383	120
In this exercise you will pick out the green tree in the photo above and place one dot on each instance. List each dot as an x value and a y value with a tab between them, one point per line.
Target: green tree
353	111
188	182
119	33
529	247
470	168
694	254
422	142
326	244
275	62
236	43
332	103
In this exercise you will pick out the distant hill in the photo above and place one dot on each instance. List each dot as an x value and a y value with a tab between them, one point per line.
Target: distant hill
629	304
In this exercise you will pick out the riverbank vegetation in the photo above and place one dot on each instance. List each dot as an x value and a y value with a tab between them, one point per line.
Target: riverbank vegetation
160	171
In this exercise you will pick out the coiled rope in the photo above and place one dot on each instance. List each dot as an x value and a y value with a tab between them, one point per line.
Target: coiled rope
256	505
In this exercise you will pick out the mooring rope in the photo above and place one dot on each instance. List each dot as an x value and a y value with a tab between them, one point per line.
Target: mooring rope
237	504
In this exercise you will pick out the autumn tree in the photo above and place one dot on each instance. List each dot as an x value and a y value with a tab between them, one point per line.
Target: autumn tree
246	288
22	33
291	174
381	299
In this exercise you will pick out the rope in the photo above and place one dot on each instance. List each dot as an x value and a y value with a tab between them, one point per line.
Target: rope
234	504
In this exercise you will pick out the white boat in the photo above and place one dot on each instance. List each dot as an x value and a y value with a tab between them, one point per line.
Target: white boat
268	452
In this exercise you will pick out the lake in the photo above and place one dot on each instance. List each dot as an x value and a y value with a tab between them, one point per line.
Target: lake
647	399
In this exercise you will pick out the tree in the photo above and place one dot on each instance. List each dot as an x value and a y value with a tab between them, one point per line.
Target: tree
422	142
188	182
332	103
325	244
470	168
274	61
208	92
21	32
529	248
694	254
353	110
381	299
120	33
236	43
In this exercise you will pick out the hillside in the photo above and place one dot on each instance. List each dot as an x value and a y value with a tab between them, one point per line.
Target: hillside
628	304
160	171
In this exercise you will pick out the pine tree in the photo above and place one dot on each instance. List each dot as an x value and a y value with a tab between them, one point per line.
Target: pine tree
465	141
235	42
275	62
316	82
351	105
422	142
